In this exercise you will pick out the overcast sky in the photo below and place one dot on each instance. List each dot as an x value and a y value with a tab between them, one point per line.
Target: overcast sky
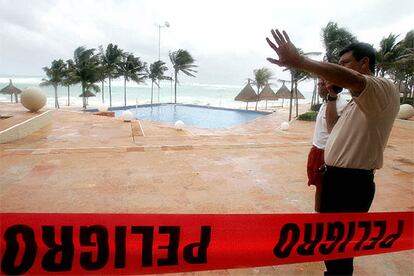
226	37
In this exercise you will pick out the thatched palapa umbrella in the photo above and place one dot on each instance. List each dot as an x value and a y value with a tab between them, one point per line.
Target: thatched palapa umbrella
267	94
283	93
247	95
86	95
11	90
300	95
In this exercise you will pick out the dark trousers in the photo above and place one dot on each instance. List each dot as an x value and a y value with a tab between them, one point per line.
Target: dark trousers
345	191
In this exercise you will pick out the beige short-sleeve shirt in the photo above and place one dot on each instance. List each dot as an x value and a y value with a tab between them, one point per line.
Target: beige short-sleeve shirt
360	135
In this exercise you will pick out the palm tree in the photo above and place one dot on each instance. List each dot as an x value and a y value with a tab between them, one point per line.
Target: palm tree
387	54
261	78
184	62
55	76
156	74
407	62
396	59
103	72
315	97
335	39
68	76
296	77
402	69
110	59
85	71
132	68
102	77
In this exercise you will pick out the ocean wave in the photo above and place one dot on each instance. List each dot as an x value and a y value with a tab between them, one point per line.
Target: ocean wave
194	93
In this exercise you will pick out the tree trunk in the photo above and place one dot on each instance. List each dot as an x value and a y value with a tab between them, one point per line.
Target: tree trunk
11	97
68	95
257	98
404	92
291	99
175	86
313	101
313	98
83	95
406	89
56	97
110	93
152	91
124	91
103	91
297	100
16	99
158	93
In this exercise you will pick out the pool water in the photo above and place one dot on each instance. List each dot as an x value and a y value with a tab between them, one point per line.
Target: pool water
193	115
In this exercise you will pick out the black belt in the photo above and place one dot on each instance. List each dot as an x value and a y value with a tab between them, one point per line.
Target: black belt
347	170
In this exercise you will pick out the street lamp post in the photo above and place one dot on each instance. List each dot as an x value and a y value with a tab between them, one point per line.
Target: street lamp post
166	25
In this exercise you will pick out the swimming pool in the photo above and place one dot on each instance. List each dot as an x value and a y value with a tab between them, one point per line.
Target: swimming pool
193	115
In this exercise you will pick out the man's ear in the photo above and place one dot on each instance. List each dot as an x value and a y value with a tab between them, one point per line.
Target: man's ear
365	63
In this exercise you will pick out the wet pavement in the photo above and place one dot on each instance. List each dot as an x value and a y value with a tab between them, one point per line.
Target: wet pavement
85	163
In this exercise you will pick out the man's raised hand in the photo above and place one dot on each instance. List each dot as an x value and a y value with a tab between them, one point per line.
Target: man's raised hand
286	51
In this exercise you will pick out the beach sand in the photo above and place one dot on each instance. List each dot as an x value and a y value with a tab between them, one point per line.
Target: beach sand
85	163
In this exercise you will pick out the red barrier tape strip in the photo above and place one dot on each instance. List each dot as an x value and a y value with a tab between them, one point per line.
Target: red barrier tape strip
156	243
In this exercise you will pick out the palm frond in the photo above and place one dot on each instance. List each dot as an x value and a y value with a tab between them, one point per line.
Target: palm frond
183	61
188	73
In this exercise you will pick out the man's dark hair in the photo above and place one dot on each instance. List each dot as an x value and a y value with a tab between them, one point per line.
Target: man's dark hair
359	51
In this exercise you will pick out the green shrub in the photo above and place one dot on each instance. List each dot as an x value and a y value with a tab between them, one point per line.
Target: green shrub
407	101
316	107
308	116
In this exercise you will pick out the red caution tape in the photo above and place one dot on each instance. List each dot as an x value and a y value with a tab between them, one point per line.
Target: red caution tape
154	243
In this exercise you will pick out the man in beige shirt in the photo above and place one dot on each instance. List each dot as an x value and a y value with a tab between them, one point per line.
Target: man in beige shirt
357	141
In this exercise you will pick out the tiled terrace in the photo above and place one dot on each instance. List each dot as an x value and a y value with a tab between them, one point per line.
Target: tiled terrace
87	163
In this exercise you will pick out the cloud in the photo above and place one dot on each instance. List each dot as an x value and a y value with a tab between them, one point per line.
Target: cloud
225	37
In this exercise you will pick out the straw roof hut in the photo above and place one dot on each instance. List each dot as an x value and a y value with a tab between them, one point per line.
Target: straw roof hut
11	90
283	92
87	94
267	94
300	95
247	95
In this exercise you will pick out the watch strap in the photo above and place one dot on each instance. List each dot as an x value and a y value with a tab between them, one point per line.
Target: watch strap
331	98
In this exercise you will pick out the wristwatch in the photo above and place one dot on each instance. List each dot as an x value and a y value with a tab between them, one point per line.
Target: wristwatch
331	98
